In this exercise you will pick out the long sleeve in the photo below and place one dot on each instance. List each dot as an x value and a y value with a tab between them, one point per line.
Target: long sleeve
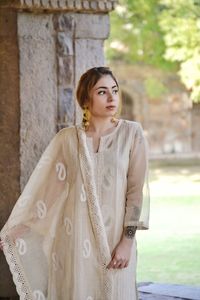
137	196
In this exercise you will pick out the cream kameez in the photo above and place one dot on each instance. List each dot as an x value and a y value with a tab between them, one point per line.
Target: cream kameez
71	214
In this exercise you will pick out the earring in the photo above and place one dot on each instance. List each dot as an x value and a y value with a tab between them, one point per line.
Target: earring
114	118
86	117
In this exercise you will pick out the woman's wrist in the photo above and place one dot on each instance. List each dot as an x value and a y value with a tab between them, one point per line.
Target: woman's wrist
129	233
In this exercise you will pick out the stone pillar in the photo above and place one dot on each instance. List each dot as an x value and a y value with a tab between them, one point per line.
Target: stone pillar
44	48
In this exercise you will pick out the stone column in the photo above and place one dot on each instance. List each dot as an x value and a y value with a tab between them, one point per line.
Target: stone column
44	48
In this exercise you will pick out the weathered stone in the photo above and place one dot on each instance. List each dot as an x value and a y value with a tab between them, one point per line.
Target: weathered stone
86	4
109	5
28	2
78	4
70	4
88	54
38	90
66	106
92	26
65	71
94	5
40	29
60	5
9	132
101	5
64	22
45	3
64	44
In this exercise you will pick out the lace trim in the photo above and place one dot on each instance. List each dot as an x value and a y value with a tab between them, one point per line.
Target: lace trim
17	272
95	214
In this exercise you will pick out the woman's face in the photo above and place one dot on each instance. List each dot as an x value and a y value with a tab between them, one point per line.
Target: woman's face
104	98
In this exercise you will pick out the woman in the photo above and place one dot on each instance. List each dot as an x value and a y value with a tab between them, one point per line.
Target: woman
71	234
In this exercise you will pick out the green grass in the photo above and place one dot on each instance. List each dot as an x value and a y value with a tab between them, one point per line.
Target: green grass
169	251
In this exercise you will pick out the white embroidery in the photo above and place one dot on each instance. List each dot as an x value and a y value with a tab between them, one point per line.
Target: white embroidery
86	248
68	226
21	246
89	298
23	200
38	295
41	209
43	161
60	169
55	261
83	194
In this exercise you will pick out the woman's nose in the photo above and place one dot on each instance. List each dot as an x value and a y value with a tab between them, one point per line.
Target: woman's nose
110	96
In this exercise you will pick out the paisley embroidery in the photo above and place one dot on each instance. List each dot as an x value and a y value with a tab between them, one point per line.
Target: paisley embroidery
22	201
68	226
55	261
41	209
61	171
38	295
21	246
86	248
83	194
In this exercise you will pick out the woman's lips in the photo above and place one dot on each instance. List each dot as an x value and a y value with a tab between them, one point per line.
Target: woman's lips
111	107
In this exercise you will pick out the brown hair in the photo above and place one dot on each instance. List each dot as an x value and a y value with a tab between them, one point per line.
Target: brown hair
88	81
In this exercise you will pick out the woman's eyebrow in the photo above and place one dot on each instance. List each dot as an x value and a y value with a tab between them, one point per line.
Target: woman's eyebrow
105	87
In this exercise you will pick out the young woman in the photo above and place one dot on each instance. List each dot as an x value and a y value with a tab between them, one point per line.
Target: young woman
71	234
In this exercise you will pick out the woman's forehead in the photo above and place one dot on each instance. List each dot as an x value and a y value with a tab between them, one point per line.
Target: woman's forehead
105	81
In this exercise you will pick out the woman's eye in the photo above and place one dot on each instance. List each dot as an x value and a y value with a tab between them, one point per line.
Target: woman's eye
115	91
101	93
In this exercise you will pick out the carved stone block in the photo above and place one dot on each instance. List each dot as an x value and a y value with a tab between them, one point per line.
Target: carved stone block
64	44
65	71
92	26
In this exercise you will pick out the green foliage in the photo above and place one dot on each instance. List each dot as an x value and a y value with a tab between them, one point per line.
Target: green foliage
154	88
161	33
180	23
135	34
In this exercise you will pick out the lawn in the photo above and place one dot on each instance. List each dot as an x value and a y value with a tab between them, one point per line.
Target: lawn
169	252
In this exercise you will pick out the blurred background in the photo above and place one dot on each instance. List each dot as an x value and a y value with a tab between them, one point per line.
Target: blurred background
154	51
153	48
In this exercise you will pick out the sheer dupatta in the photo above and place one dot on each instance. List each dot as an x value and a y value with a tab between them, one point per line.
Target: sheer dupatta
29	233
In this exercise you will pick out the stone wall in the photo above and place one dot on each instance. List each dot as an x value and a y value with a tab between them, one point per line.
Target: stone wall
9	131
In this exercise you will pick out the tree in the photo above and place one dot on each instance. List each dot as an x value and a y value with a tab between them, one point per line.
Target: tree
162	33
136	36
180	23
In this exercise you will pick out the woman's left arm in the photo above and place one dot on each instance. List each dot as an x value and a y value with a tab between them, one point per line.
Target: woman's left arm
138	164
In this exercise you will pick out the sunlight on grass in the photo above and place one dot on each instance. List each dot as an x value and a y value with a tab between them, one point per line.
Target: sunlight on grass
170	250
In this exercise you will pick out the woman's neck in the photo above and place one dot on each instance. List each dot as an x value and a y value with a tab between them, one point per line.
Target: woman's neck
99	126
